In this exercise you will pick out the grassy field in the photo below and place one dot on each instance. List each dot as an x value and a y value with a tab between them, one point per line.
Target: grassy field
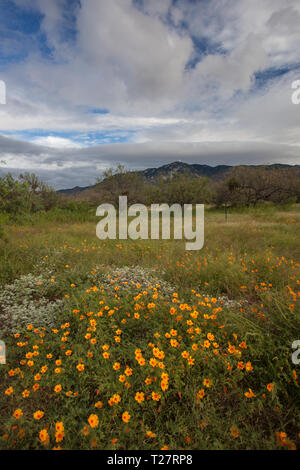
143	345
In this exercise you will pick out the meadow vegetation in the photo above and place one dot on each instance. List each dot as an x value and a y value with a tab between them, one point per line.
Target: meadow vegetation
122	344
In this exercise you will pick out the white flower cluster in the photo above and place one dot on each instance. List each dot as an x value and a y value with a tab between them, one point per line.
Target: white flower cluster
27	301
131	277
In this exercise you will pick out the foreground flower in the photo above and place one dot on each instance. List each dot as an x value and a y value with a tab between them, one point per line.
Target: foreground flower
38	414
284	441
18	413
206	382
93	421
59	426
156	396
126	417
200	394
44	436
250	394
234	431
139	397
59	435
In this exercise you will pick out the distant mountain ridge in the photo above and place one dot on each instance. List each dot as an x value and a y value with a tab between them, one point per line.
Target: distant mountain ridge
176	168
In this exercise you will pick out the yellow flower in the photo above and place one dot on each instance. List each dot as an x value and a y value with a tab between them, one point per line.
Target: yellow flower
44	436
234	431
126	417
249	394
164	385
57	388
18	413
191	361
153	362
207	383
59	435
155	396
200	394
116	398
93	421
128	371
38	414
139	397
59	427
80	367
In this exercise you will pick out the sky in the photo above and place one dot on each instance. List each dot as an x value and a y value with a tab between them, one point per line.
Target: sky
93	83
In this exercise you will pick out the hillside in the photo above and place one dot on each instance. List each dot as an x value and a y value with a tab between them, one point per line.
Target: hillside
176	168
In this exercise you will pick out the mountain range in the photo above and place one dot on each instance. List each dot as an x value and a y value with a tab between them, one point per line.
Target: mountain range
176	168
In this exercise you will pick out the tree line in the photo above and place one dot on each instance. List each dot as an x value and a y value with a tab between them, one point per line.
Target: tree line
241	186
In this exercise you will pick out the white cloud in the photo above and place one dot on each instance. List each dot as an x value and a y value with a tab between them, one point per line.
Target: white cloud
157	7
56	142
228	74
145	59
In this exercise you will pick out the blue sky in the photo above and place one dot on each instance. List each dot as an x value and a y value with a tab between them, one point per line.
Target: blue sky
146	82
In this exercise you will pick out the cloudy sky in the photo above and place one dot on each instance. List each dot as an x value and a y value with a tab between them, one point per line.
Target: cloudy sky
145	82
